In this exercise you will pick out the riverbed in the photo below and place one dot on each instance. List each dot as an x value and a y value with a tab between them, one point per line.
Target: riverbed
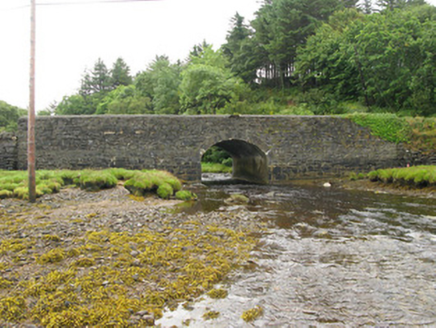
331	258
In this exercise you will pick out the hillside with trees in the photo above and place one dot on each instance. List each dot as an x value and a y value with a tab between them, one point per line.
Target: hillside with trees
295	57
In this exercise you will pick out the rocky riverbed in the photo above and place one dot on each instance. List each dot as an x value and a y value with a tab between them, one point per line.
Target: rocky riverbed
77	258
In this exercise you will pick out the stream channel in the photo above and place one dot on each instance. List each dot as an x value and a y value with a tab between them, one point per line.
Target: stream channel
331	258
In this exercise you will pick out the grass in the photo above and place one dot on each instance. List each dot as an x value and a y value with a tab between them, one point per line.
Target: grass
389	127
14	184
417	133
423	136
215	168
415	176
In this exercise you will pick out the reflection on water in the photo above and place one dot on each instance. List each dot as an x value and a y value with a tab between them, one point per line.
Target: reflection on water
333	258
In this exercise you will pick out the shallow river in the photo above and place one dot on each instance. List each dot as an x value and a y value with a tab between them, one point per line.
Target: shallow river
331	258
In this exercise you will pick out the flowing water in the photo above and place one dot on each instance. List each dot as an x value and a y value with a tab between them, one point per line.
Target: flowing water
332	258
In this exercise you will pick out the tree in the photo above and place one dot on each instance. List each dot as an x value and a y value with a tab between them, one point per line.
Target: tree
160	83
74	105
124	100
120	74
95	85
198	49
9	116
207	84
386	59
50	110
239	50
97	80
366	7
282	26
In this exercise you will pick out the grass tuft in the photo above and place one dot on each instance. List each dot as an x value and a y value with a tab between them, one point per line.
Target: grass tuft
139	183
415	176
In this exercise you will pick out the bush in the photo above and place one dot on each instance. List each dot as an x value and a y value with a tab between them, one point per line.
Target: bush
215	154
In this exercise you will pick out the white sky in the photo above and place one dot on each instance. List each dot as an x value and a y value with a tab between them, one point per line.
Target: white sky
70	38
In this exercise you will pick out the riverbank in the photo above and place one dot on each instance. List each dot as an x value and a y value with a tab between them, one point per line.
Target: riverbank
394	189
77	258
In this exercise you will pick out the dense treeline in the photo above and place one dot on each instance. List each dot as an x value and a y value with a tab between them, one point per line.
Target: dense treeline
295	57
9	116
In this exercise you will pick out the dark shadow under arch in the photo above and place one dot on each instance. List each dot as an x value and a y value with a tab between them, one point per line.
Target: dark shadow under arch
249	161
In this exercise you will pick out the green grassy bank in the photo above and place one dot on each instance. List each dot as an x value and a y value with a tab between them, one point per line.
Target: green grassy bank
416	176
13	184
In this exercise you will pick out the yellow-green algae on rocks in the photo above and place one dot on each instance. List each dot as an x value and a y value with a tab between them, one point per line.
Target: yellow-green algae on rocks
93	275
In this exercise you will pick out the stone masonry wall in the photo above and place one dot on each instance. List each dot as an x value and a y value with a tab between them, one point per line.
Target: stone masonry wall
295	146
8	151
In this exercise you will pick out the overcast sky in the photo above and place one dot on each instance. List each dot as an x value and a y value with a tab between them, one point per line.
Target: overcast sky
70	38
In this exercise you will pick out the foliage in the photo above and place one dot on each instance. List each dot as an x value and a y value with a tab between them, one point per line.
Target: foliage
215	168
160	83
386	126
120	74
332	52
208	86
384	59
9	116
415	176
216	154
124	100
95	85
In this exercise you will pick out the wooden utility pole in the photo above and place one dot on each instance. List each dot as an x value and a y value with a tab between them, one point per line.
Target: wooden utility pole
31	120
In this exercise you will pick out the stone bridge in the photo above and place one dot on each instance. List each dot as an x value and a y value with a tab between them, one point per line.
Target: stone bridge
264	148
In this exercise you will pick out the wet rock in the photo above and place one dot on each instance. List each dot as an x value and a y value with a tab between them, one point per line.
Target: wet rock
322	234
142	313
237	199
134	253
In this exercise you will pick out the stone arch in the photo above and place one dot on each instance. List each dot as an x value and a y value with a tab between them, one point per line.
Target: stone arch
250	163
